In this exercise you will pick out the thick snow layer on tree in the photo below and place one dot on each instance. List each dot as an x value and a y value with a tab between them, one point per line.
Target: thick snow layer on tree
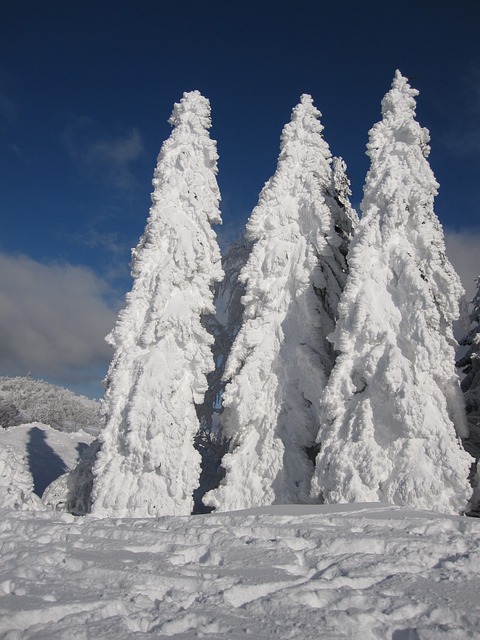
393	410
343	572
147	464
280	359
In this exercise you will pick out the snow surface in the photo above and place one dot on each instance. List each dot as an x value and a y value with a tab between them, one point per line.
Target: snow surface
368	572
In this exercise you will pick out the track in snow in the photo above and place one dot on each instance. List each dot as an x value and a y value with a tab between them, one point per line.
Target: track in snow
349	571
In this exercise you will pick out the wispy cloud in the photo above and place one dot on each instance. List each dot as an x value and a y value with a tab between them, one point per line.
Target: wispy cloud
108	241
118	250
104	156
53	320
463	250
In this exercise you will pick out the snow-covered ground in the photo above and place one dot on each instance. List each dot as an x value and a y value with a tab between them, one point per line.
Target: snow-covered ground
363	571
344	571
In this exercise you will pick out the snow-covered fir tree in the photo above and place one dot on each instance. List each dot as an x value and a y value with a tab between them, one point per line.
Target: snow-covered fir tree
393	411
147	464
470	364
280	360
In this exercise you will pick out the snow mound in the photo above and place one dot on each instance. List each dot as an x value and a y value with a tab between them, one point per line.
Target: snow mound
32	457
24	400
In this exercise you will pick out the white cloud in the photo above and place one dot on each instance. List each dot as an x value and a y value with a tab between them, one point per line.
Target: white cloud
53	320
54	317
104	156
463	250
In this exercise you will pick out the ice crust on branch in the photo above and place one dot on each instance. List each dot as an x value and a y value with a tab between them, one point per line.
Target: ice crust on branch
281	359
147	465
393	414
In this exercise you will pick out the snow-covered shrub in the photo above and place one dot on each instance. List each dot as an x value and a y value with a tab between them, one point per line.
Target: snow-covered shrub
24	400
393	411
147	465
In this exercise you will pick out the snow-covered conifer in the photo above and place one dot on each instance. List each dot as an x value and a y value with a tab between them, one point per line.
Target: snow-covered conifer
281	359
147	464
393	414
470	363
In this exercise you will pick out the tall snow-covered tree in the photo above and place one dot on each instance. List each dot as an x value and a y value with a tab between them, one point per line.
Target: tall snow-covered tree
470	364
281	359
147	464
393	413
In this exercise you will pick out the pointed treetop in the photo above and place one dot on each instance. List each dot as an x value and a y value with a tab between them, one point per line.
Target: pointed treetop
341	181
307	101
193	109
305	109
400	99
398	133
304	127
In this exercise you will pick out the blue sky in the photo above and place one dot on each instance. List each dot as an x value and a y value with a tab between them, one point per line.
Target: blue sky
86	89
